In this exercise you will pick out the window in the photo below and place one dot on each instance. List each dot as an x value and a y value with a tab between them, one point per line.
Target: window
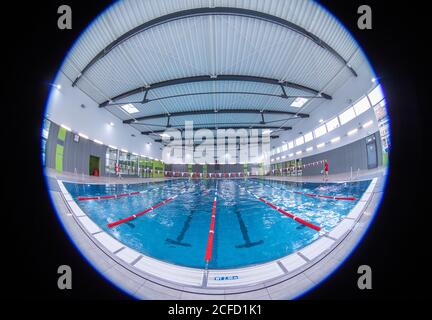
347	116
332	124
320	131
299	141
45	134
110	160
376	95
308	137
361	106
290	144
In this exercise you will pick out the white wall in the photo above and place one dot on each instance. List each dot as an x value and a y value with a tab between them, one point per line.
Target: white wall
64	107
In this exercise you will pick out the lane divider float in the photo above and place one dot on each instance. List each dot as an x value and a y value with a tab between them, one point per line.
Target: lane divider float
209	248
314	195
115	196
134	216
288	214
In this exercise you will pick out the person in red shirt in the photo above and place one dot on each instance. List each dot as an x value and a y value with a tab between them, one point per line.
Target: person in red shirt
326	170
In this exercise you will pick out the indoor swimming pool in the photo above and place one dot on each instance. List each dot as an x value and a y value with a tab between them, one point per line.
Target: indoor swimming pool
255	220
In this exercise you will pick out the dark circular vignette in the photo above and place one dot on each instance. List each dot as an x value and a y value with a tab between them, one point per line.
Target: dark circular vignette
304	294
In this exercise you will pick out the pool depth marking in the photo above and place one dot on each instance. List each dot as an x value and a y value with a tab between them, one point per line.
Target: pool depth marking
209	249
134	216
290	215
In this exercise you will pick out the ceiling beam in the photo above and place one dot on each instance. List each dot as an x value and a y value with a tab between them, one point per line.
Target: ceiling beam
228	11
205	78
252	126
225	111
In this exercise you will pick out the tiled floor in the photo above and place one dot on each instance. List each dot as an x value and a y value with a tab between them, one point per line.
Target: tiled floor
147	278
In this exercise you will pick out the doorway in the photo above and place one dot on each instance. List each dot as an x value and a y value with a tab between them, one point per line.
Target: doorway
94	166
372	155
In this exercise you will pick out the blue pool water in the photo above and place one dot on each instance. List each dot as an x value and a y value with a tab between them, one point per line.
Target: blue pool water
247	231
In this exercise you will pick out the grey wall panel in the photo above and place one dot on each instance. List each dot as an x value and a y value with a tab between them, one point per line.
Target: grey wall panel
77	155
342	159
51	146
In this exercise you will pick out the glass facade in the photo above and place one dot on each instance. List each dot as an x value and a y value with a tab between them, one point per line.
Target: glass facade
45	133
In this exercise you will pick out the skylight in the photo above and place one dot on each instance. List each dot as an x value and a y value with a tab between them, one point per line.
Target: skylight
299	102
129	108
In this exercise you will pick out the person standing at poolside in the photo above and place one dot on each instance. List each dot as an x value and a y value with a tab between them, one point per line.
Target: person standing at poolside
326	170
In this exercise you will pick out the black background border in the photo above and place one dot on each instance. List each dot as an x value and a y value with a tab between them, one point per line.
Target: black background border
396	238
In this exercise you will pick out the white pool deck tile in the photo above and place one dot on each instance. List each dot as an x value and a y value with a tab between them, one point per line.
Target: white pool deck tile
76	209
177	274
343	227
357	210
292	262
244	276
316	248
128	255
89	225
108	242
68	197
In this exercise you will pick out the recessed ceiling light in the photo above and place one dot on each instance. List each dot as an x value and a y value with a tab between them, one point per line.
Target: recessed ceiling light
129	108
65	127
97	141
354	131
58	86
82	135
321	121
299	102
335	140
111	124
368	124
320	145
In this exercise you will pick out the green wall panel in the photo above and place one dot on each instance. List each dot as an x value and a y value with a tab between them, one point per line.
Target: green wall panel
59	158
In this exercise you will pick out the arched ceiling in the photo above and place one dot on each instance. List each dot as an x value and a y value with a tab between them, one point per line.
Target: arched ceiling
247	61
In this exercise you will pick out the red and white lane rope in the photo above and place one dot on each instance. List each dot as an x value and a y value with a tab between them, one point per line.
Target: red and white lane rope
115	196
288	214
325	197
209	248
315	195
134	216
